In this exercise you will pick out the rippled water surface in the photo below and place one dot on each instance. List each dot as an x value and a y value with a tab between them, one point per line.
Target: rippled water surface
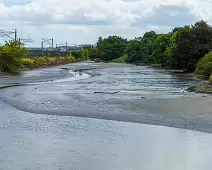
153	82
50	142
54	142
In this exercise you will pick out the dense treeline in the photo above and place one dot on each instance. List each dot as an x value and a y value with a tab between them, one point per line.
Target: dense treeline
181	48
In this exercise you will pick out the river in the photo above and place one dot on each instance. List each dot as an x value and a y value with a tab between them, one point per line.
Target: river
103	116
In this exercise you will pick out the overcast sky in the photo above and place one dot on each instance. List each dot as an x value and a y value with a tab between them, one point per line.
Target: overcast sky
83	21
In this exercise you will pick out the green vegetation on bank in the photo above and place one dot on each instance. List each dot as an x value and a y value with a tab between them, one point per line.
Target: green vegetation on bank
181	48
38	62
10	56
14	56
122	59
204	66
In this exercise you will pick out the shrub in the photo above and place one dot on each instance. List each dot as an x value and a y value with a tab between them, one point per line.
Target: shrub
124	58
58	59
47	58
207	69
72	59
39	60
10	56
204	66
29	63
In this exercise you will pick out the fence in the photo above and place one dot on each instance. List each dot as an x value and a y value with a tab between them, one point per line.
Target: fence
40	53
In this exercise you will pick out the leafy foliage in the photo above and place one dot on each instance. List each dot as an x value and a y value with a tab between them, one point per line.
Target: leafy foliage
111	48
134	50
122	59
148	41
161	44
37	62
10	56
204	66
181	48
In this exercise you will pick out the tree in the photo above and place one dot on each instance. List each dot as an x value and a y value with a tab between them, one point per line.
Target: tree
183	45
181	48
201	42
204	66
93	53
171	57
134	50
10	56
176	29
160	46
148	42
111	48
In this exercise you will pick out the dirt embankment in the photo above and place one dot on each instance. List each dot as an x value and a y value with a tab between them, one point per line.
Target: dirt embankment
206	87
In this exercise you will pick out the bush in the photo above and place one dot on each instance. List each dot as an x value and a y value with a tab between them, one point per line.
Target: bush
73	59
207	69
45	61
40	60
47	58
10	56
58	59
122	59
204	66
29	63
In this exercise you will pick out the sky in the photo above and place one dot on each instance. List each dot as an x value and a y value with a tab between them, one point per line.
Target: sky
83	21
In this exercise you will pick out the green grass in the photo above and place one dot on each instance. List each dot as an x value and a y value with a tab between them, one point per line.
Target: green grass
156	65
195	89
46	61
192	89
122	59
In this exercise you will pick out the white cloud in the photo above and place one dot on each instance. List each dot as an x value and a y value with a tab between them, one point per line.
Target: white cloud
83	21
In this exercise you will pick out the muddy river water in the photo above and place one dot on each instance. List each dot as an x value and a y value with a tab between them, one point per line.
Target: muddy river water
92	116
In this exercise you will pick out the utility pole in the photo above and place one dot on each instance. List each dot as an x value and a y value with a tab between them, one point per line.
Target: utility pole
42	48
19	42
8	34
66	46
15	35
24	40
52	43
48	41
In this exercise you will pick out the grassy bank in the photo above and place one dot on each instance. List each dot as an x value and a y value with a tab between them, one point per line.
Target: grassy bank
204	88
39	62
204	71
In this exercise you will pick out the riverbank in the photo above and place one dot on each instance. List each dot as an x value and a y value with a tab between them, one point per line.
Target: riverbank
118	92
206	88
41	63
